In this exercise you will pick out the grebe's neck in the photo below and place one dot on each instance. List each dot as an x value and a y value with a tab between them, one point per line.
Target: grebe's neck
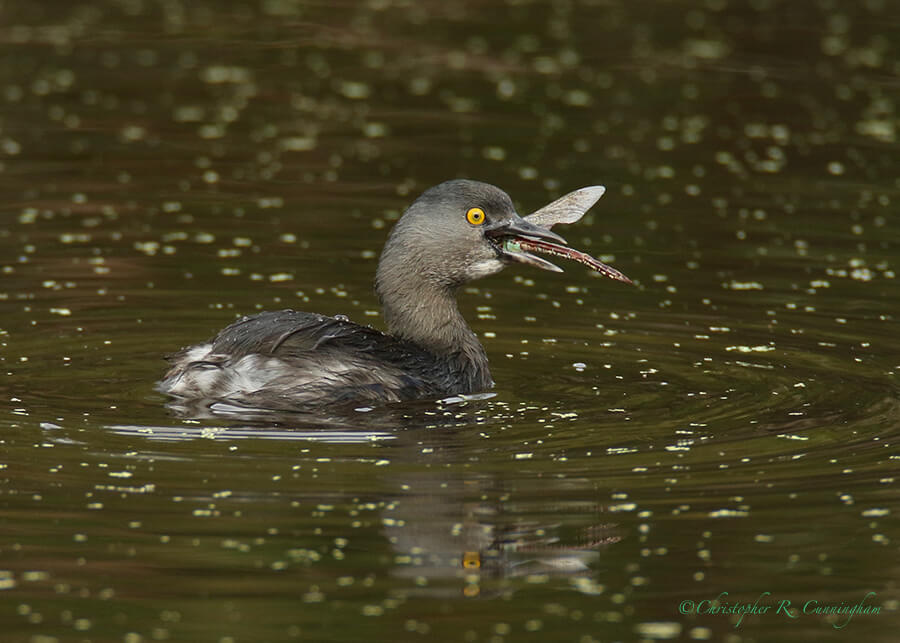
426	314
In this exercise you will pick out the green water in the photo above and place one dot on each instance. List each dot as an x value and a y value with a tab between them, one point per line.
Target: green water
730	424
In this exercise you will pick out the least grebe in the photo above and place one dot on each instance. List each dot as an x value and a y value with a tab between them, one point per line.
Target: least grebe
453	233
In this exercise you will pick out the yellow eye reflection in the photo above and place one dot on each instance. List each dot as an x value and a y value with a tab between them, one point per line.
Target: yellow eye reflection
475	216
472	559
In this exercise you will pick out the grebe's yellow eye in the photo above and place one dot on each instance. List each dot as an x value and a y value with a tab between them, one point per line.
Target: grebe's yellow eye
475	216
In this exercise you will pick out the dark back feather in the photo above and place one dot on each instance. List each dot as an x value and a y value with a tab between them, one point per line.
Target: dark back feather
288	359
